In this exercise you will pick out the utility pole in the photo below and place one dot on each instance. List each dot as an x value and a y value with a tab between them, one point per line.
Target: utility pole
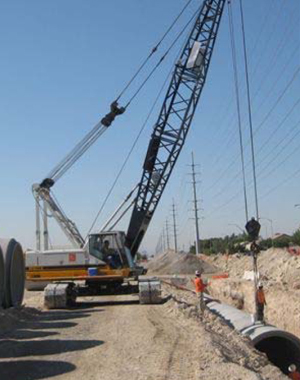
167	234
195	201
158	245
174	226
163	240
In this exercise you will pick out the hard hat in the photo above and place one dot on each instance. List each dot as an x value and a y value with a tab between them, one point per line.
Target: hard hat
197	273
292	368
260	285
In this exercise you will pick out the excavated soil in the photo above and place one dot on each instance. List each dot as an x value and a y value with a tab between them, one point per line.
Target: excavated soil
172	263
116	338
280	274
275	266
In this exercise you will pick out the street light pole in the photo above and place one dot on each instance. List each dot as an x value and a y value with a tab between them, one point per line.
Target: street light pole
271	223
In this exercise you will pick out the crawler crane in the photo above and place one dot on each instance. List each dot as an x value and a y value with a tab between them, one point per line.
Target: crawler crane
84	269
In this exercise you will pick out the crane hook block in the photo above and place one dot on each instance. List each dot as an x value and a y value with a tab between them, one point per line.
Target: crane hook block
253	228
47	183
115	110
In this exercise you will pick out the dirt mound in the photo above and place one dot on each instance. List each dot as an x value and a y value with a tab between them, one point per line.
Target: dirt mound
275	265
179	263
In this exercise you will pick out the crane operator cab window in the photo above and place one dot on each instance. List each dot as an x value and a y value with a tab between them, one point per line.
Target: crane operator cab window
105	248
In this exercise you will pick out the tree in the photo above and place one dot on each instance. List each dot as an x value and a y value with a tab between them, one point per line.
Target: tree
296	237
282	242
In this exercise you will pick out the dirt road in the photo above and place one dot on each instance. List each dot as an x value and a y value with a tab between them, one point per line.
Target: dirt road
113	338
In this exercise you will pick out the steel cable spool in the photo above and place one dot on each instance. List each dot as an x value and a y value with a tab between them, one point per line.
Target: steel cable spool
14	272
2	277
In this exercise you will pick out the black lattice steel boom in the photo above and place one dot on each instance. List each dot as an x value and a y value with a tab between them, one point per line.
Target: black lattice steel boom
175	118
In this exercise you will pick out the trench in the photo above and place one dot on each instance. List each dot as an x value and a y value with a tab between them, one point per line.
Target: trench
281	350
281	347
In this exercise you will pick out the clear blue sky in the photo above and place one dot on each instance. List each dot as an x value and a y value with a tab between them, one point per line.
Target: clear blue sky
63	62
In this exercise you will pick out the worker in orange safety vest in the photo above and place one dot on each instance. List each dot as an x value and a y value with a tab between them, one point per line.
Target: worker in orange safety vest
294	374
200	287
261	302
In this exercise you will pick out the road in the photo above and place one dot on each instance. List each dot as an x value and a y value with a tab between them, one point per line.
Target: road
116	338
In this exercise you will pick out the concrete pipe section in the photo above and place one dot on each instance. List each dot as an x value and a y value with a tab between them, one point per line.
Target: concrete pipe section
281	347
14	272
2	277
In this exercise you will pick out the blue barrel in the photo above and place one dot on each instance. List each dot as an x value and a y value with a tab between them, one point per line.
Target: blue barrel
92	271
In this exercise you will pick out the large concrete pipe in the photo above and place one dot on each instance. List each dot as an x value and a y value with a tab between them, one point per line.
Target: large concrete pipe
14	272
281	347
2	277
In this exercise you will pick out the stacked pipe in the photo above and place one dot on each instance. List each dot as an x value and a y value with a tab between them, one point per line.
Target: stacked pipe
12	273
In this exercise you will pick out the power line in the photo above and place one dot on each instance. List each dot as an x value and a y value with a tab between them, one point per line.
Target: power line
154	50
227	104
230	137
277	53
283	182
271	34
277	154
278	100
162	58
237	174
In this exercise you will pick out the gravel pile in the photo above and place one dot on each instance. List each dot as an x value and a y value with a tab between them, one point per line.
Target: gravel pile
179	263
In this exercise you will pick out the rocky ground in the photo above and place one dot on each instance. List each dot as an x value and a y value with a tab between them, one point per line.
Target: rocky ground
116	338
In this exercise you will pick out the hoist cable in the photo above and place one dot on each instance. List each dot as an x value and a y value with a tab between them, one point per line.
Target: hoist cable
162	58
77	152
99	128
260	125
236	83
249	108
154	50
129	153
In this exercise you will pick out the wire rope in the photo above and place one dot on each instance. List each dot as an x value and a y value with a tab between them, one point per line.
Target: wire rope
82	146
236	83
154	50
129	153
249	108
161	59
262	123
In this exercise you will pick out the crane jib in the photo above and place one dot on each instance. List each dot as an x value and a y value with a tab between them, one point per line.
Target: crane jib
175	118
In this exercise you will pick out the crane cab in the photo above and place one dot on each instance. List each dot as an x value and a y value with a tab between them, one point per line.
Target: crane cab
110	247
